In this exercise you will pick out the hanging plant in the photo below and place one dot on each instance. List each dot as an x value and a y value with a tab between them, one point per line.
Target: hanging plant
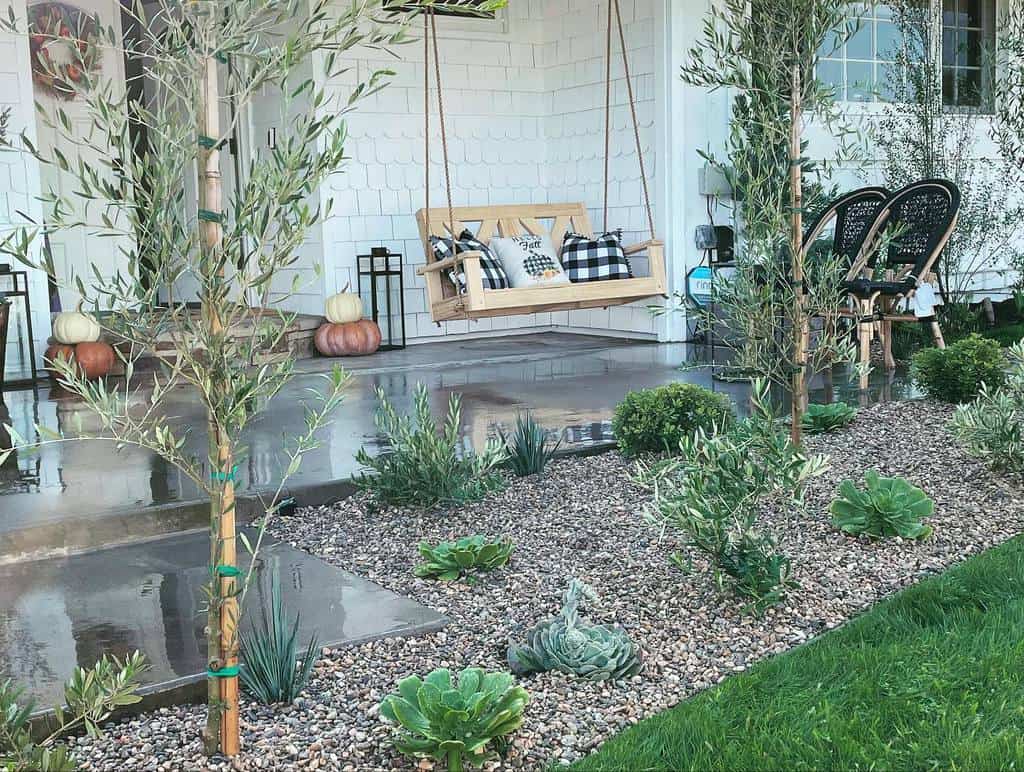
64	43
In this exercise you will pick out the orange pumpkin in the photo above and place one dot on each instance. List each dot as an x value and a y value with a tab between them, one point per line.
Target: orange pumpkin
95	359
348	339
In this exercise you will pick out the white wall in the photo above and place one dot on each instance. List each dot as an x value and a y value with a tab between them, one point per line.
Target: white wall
525	98
19	176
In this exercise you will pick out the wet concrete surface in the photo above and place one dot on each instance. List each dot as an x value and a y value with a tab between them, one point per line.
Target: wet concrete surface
568	382
56	614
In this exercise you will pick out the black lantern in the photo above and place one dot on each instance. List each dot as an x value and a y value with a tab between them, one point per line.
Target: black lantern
379	276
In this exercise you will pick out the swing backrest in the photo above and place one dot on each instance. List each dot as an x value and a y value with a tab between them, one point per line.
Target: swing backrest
485	222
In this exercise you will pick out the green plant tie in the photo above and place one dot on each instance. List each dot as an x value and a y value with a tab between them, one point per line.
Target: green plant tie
209	216
225	476
228	571
208	142
222	58
224	672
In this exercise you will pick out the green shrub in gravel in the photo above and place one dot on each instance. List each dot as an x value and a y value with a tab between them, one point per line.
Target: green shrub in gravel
955	374
451	559
888	506
423	465
714	491
990	427
454	721
564	643
656	420
530	447
819	419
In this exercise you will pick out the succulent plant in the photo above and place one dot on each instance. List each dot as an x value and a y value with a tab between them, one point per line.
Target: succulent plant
888	506
818	419
593	652
451	559
439	719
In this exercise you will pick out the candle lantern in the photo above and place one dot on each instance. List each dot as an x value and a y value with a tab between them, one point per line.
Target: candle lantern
380	285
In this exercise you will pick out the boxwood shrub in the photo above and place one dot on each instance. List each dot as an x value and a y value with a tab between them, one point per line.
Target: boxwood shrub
955	374
655	420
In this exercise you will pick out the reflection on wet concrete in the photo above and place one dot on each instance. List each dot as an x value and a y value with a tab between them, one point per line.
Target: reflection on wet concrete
566	387
56	614
570	383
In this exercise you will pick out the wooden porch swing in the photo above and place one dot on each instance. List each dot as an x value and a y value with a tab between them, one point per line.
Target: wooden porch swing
476	302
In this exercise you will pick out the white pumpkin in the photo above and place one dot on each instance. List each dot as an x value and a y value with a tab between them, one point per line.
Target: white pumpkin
73	327
344	307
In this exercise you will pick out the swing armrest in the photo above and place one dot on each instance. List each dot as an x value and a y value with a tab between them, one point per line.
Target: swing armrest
448	262
643	246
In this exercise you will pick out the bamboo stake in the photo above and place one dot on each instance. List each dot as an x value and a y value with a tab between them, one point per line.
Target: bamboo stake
801	328
222	718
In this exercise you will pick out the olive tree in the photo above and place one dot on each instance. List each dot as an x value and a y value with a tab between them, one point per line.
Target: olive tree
765	53
206	59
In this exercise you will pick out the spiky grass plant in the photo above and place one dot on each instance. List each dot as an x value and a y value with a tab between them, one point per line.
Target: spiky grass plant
530	447
272	670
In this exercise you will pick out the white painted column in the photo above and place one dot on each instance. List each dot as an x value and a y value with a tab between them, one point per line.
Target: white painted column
690	119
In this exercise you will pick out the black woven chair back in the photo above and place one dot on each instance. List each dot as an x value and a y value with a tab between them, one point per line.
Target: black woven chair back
921	218
854	214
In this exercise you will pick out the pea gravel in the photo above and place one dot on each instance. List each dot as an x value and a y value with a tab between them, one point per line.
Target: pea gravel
582	519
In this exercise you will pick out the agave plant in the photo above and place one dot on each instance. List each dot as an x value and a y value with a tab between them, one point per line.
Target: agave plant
272	671
442	720
818	419
888	506
530	447
593	652
451	559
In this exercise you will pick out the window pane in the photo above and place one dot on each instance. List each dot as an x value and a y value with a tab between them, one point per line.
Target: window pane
889	41
859	46
830	72
860	81
971	13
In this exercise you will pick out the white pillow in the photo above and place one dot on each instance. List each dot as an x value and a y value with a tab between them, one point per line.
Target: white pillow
529	261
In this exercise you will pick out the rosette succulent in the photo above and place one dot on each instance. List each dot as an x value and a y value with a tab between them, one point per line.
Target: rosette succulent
818	419
593	652
888	506
442	720
451	559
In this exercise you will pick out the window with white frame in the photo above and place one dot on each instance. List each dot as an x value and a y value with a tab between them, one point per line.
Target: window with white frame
858	68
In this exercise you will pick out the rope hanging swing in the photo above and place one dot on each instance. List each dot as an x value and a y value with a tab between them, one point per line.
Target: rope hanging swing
474	302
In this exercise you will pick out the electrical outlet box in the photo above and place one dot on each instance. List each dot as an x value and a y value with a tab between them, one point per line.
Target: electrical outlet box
714	182
706	237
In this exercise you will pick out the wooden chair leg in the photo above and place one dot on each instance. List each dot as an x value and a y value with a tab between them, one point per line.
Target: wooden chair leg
890	360
865	326
940	342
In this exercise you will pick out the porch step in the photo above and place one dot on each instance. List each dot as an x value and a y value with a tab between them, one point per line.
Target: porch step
61	613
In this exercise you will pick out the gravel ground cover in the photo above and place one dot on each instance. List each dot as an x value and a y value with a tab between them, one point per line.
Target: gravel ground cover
583	519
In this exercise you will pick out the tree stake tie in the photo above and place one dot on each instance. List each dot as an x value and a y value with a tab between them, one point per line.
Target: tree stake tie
225	476
228	571
224	672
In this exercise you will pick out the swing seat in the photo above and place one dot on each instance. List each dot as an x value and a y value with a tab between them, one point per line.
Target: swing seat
446	303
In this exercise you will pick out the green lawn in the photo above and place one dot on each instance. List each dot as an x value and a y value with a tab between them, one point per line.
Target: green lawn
931	679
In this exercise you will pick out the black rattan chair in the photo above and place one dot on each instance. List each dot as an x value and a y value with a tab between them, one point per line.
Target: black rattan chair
903	244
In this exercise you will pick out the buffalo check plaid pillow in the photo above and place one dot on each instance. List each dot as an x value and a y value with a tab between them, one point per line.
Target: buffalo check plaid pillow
494	274
586	259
